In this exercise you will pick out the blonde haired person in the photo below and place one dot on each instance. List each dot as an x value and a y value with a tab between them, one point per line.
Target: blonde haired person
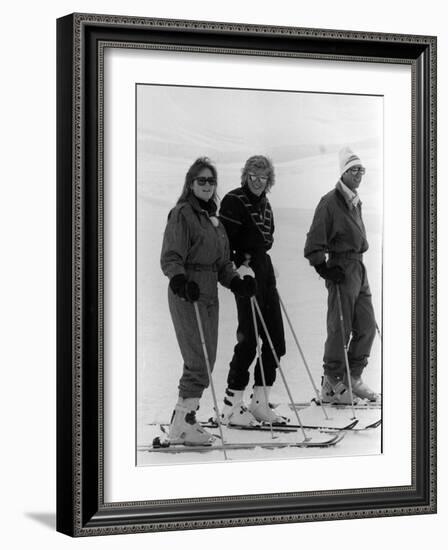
249	221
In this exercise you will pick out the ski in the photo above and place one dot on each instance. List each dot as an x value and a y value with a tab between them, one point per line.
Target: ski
309	422
361	405
348	427
339	417
167	447
211	424
352	426
281	427
372	426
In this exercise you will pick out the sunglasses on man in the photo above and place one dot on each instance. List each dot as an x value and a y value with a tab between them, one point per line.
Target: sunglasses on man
357	170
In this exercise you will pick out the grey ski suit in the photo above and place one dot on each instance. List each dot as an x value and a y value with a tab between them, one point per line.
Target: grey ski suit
338	231
194	246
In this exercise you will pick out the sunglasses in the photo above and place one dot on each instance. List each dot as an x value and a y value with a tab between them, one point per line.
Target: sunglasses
202	180
262	179
356	171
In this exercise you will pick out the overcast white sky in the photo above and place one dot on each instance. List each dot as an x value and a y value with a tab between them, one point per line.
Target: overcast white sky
301	132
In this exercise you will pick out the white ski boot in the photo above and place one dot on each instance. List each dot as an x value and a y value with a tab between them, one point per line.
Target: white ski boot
235	411
262	410
334	390
362	390
184	429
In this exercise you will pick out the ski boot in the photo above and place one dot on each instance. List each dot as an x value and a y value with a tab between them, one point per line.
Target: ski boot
262	410
362	390
184	429
334	390
235	411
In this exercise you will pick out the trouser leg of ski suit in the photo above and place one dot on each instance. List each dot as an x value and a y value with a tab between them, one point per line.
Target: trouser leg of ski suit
359	322
194	378
246	348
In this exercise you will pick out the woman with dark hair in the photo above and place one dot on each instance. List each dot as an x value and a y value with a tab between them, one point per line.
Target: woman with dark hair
195	256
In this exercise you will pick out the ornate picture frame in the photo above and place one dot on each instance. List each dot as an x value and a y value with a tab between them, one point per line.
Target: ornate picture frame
81	506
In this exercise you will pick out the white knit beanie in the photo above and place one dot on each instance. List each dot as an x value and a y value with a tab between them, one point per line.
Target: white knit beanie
347	159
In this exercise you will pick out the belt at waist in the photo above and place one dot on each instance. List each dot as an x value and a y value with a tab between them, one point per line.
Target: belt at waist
201	267
345	256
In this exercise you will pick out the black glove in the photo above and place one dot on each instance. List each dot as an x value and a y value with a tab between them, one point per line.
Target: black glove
186	290
245	288
240	258
334	273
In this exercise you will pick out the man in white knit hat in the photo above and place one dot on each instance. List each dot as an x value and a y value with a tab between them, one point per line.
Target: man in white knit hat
335	246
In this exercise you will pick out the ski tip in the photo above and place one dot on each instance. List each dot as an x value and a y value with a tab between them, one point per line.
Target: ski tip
351	425
374	425
336	439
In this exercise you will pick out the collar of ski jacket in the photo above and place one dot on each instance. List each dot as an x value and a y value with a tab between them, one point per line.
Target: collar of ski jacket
253	198
260	213
350	197
199	205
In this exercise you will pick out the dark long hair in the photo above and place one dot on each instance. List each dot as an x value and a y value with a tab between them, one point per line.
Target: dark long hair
198	165
258	161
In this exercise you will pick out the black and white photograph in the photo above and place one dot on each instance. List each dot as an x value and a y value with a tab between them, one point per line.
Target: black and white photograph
259	252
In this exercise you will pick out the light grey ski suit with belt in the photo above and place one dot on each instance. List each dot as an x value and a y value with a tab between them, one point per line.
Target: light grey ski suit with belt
198	248
338	230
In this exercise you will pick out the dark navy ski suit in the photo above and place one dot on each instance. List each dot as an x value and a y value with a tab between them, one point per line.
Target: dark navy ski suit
249	223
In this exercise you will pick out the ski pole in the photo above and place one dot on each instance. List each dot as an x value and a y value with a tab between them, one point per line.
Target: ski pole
260	315
263	378
344	345
379	332
209	372
316	391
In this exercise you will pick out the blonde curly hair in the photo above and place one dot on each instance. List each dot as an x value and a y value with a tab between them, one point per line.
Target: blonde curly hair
258	162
